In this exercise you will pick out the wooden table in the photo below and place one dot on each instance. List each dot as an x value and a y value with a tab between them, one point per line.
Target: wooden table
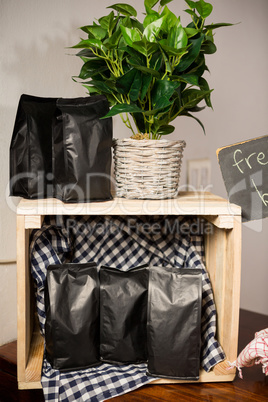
254	386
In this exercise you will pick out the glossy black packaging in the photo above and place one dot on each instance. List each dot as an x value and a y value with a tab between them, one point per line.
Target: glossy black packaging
72	316
123	314
82	150
31	148
61	148
174	322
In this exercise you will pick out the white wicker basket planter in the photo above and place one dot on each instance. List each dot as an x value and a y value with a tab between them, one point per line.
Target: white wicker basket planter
147	169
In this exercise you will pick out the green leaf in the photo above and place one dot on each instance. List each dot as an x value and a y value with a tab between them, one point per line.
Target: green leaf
176	107
166	60
130	35
162	92
111	99
191	32
85	53
203	8
105	22
177	38
144	47
171	51
136	57
85	29
136	24
219	25
126	22
149	4
135	87
198	66
164	2
191	4
189	79
133	61
179	90
153	29
197	109
156	61
159	111
208	47
139	121
150	18
121	49
170	20
97	77
203	84
91	68
140	47
124	9
192	54
89	43
123	83
97	31
94	91
112	41
101	86
113	24
191	97
192	13
146	81
165	129
91	90
147	70
122	108
195	118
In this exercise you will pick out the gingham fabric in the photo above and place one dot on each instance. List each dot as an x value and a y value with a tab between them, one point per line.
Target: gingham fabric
122	242
256	352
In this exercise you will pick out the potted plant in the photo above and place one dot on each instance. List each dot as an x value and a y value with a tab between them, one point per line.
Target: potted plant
151	72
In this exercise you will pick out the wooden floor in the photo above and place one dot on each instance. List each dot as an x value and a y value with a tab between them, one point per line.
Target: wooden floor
254	386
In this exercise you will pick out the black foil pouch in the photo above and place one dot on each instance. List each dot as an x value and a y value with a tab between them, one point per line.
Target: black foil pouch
31	148
61	148
82	150
123	315
72	316
174	322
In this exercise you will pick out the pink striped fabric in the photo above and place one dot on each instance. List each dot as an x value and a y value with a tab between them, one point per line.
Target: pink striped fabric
256	352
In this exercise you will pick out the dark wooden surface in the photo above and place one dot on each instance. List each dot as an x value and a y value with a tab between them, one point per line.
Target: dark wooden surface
254	386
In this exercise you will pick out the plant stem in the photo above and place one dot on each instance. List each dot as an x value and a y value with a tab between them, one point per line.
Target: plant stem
127	122
115	97
149	101
177	114
130	125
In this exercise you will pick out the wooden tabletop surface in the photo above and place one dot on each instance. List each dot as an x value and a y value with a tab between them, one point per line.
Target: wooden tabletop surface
253	387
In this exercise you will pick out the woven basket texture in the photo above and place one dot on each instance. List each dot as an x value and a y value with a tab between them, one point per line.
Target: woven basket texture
147	169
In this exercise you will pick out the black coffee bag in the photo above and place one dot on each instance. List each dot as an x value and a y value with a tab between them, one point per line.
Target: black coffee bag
72	316
174	322
123	314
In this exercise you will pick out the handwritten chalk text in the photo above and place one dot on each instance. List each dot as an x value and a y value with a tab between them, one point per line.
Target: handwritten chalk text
247	160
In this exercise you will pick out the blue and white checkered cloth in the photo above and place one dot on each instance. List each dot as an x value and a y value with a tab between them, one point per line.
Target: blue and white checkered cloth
122	242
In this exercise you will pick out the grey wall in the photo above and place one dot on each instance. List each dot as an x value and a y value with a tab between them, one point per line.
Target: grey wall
34	59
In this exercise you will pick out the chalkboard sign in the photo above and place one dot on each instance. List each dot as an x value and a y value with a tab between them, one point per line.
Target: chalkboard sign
244	168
